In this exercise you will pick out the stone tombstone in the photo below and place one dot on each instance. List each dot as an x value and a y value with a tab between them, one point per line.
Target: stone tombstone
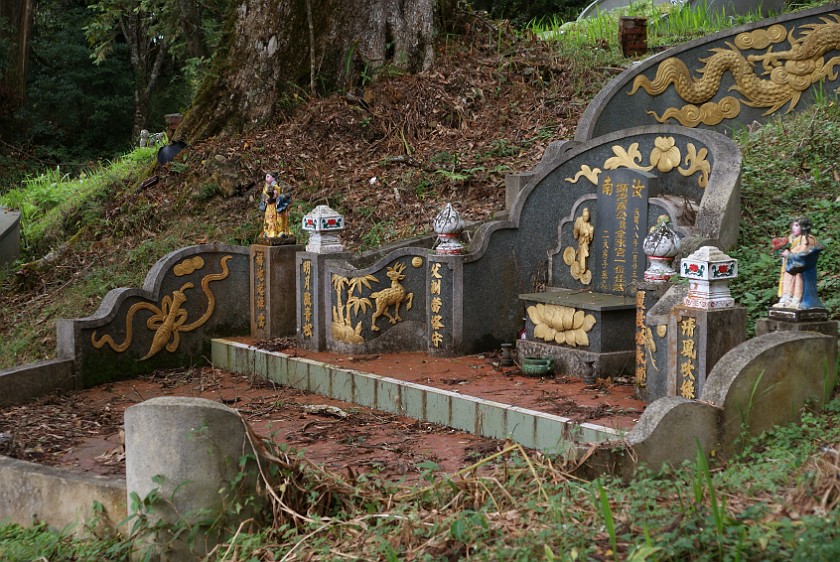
648	340
621	219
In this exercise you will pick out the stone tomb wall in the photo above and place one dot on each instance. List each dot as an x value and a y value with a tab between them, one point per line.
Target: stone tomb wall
189	296
469	303
726	80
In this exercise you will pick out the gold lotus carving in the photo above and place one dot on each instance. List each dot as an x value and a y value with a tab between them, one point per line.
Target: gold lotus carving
561	324
665	157
788	73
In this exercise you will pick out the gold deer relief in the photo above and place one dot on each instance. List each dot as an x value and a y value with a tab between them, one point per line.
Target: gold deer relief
394	296
169	320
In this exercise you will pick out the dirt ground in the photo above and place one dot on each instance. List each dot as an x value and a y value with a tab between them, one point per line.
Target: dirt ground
82	431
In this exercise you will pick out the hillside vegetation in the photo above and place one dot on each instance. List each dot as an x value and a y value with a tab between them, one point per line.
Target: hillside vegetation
388	156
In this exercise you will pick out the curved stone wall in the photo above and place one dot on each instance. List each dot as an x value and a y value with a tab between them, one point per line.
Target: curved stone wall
726	80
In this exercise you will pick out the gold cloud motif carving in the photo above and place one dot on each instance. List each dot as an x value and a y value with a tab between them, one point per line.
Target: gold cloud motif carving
665	157
789	73
169	320
188	266
561	324
589	173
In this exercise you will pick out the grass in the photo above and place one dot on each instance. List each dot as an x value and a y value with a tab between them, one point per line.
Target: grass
667	24
778	500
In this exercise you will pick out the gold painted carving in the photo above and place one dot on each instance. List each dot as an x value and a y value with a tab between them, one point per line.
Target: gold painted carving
168	321
583	232
588	173
662	330
342	323
417	261
665	157
343	328
561	324
789	73
436	305
188	266
394	296
307	328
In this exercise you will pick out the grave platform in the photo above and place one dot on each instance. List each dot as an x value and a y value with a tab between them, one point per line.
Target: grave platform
469	393
609	341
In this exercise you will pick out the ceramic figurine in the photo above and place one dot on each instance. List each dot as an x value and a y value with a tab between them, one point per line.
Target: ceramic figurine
661	245
448	225
274	205
798	281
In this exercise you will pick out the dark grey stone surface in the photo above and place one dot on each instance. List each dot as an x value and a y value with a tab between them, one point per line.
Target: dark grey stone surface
184	301
272	286
651	343
9	236
319	289
353	314
697	339
613	108
573	361
768	325
27	382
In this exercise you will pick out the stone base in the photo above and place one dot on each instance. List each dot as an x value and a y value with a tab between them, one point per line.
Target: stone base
767	325
281	241
272	290
572	362
797	315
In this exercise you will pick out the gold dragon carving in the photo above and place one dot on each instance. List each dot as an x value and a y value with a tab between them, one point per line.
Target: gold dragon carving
665	156
788	73
169	320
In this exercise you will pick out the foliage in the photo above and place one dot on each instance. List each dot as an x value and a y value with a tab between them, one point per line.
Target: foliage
667	24
75	111
520	12
39	542
790	169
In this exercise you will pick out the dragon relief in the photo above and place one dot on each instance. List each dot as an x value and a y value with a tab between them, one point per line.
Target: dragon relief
169	320
788	73
343	313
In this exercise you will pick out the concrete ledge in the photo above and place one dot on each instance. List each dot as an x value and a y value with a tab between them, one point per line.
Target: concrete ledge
64	500
27	382
553	434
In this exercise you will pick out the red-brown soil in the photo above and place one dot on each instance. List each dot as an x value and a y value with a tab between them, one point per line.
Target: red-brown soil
82	431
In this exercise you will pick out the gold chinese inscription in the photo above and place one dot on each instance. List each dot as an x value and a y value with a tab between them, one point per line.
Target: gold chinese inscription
789	73
645	346
561	324
306	328
687	358
436	321
169	320
259	289
665	156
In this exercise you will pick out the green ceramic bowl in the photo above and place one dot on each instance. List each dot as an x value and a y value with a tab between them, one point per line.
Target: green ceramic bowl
534	366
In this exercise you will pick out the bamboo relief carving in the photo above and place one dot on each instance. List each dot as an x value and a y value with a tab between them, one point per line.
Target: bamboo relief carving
169	320
780	79
665	156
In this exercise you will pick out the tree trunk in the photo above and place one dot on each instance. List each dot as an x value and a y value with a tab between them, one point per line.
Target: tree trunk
147	58
196	43
17	15
268	51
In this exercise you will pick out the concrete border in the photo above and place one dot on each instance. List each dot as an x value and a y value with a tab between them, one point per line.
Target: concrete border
19	385
538	430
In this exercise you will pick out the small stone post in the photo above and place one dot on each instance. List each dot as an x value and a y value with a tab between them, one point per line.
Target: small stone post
323	224
272	290
186	452
707	325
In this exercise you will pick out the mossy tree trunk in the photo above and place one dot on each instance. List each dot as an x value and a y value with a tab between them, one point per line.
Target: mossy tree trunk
16	18
268	54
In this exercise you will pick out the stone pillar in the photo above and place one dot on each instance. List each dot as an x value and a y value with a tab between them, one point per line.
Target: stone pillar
445	308
181	457
272	290
706	325
313	315
650	343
